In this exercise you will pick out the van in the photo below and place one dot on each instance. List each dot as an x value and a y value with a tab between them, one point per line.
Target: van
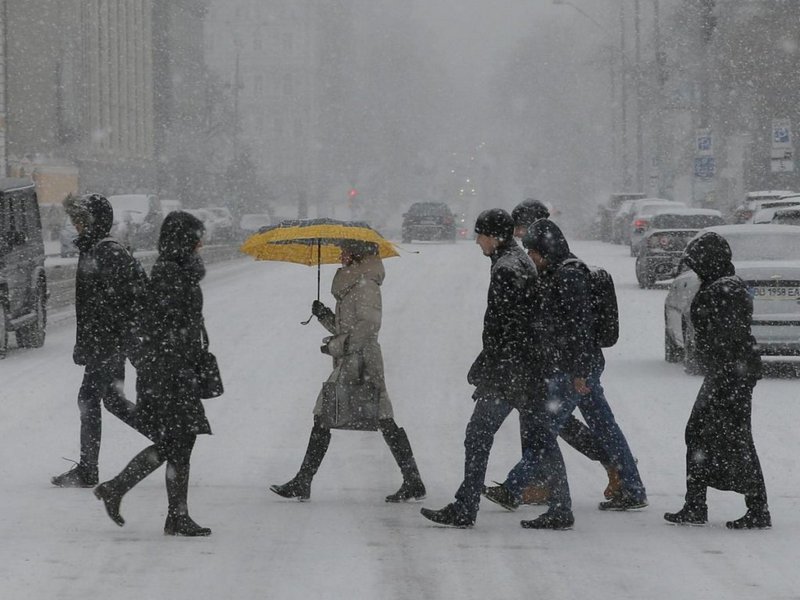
23	283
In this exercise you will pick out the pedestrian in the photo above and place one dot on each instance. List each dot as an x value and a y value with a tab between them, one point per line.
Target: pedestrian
574	432
720	451
573	363
504	373
109	282
355	325
169	407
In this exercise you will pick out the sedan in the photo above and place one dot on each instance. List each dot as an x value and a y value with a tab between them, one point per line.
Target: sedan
767	258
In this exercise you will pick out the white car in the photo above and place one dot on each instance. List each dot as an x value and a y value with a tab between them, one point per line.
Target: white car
765	210
223	222
767	258
753	201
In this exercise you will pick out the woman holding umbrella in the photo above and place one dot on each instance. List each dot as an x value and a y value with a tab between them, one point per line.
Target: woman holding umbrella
355	325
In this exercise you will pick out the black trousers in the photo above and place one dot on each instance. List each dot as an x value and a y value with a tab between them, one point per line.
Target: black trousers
103	384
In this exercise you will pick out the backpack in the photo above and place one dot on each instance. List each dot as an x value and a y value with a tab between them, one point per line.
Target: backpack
604	303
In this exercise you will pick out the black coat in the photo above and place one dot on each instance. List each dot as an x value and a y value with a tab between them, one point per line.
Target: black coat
168	399
108	285
508	362
719	442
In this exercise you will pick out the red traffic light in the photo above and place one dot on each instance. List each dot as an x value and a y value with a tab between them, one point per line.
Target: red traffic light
352	193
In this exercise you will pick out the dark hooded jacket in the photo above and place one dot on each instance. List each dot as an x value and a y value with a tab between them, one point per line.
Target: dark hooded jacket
168	397
566	320
109	283
508	363
722	309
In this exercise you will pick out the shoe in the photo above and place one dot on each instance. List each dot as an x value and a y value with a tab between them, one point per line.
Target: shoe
112	499
183	525
557	519
78	476
414	490
293	489
688	515
535	494
449	515
614	487
752	519
499	494
623	502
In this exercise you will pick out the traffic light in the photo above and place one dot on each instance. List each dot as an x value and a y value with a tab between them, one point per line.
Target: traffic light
352	193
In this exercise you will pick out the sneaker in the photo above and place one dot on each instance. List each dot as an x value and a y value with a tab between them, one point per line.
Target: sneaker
293	489
78	476
449	515
112	499
500	494
184	525
414	490
557	519
688	515
752	519
623	502
536	495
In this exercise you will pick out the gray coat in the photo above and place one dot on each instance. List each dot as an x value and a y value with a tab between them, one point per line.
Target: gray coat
355	325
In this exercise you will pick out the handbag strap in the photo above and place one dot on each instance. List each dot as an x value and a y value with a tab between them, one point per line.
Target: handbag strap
204	335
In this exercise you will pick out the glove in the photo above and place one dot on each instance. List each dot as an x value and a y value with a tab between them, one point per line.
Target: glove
324	347
319	310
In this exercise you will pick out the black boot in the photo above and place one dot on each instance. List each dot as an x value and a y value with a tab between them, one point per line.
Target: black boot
555	518
112	491
79	476
300	485
178	521
757	515
450	515
690	514
397	440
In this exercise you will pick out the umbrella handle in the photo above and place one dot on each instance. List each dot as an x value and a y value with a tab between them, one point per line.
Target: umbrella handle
307	321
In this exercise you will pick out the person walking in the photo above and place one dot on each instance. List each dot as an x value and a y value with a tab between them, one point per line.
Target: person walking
169	407
573	363
109	282
355	325
574	432
504	373
720	451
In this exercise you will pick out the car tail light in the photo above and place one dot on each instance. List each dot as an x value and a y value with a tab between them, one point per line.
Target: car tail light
641	223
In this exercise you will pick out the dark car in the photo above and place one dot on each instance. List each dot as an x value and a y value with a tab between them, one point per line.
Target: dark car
23	284
429	221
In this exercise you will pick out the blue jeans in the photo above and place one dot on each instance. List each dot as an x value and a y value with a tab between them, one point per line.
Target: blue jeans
542	456
491	410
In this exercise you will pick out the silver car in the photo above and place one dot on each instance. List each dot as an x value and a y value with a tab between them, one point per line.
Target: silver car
767	258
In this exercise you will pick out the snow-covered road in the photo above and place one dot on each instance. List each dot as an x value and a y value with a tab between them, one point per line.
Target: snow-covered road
347	542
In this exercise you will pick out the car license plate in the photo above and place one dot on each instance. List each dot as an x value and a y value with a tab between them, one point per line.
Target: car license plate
763	292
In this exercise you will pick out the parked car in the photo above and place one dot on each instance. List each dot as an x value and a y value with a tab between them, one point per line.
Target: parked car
23	282
252	222
764	210
767	257
753	201
786	216
620	222
606	212
429	221
223	223
137	220
66	237
642	213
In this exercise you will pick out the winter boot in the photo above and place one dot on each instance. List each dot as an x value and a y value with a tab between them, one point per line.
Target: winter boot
500	494
614	487
752	519
623	501
183	525
535	494
300	485
112	491
79	476
689	515
555	518
178	521
449	515
397	440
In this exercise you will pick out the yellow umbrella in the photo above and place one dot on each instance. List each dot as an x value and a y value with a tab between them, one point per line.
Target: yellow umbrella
312	242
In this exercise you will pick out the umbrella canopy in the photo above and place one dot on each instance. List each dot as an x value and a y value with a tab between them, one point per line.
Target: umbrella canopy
312	241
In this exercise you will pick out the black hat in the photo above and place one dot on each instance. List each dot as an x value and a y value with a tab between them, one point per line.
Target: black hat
93	211
529	211
709	256
496	223
547	239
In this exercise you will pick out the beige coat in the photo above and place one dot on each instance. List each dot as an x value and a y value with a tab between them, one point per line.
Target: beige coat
354	346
